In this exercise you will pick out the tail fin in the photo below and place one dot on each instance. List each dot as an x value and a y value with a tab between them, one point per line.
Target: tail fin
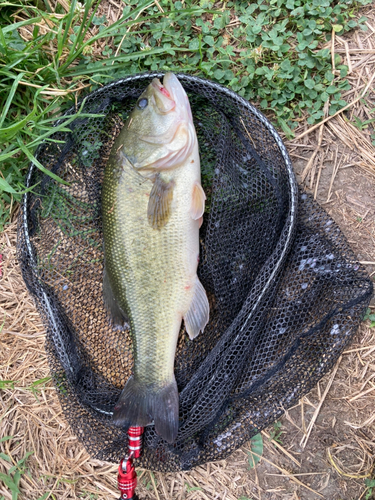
141	404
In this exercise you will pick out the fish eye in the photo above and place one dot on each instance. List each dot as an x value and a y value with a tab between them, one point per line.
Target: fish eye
142	103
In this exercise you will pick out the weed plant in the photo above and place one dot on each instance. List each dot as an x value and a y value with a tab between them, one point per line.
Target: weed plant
273	52
12	478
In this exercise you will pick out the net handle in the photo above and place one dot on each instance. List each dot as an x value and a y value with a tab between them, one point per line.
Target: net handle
127	476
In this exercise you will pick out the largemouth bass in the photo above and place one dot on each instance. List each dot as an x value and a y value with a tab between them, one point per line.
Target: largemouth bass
152	208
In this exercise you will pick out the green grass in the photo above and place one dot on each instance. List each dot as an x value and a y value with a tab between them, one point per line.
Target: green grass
7	384
256	450
189	488
271	55
364	124
276	432
11	478
370	485
369	316
34	387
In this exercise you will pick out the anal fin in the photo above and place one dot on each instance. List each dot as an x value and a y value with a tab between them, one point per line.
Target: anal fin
197	316
197	202
118	317
159	204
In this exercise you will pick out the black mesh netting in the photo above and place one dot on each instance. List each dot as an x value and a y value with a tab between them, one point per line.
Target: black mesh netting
286	292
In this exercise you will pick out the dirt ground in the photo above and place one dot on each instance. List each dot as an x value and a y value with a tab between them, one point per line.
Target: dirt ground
321	448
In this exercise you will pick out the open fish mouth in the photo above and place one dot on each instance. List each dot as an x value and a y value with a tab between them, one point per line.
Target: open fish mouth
163	97
159	86
177	92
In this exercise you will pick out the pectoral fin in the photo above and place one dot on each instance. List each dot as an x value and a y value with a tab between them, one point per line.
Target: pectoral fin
197	202
197	316
159	204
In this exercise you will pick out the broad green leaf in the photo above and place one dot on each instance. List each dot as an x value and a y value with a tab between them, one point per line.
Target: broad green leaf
256	446
309	83
209	40
194	44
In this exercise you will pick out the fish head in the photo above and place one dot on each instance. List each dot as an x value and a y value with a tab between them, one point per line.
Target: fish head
154	112
160	129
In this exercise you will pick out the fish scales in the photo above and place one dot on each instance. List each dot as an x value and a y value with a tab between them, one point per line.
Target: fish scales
163	282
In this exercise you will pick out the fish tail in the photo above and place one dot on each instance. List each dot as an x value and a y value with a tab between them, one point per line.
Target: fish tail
141	404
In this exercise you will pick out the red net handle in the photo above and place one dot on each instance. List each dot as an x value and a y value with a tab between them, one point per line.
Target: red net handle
127	477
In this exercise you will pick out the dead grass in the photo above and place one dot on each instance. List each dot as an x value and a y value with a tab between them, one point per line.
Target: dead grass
328	440
340	139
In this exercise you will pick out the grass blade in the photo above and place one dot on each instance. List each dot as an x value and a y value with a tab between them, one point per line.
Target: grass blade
6	438
5	186
85	24
16	26
32	158
10	98
69	19
121	61
6	134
